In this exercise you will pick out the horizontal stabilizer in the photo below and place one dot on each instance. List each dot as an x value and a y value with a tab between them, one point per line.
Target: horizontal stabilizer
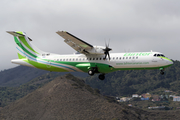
17	34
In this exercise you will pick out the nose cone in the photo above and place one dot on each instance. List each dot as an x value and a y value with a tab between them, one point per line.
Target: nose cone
169	62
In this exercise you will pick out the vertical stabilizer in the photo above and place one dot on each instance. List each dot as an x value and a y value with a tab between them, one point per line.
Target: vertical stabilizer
24	48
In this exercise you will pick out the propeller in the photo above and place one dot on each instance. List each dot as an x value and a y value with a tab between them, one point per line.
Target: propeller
106	51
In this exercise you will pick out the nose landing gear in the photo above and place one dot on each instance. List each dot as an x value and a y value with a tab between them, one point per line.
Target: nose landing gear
161	71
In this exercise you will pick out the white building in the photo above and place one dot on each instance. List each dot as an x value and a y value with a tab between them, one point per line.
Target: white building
124	99
176	98
135	95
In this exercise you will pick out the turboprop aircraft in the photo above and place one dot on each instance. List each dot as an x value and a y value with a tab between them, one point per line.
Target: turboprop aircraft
92	59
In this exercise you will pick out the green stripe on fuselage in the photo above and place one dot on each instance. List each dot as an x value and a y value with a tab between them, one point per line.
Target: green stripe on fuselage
166	58
45	66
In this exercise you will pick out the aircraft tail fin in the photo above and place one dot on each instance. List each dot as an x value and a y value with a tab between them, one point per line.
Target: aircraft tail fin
24	47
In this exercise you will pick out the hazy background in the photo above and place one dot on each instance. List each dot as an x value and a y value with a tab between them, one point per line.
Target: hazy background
131	25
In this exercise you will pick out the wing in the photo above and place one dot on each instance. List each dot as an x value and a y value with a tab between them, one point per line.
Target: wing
76	43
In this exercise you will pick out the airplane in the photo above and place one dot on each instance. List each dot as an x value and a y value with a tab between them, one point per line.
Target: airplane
90	59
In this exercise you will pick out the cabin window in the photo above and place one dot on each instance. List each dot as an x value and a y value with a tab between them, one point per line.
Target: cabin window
83	59
66	59
133	57
120	58
137	57
154	54
129	57
158	55
73	59
126	57
63	59
116	57
93	58
76	59
89	58
79	59
99	58
96	58
60	59
57	59
70	59
123	57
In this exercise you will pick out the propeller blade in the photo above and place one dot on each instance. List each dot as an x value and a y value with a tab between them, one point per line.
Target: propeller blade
105	56
108	43
108	55
106	50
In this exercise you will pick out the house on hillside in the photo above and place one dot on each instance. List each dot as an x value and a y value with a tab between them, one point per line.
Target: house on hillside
144	98
157	108
130	105
171	95
156	98
143	95
176	98
147	95
124	99
135	95
167	91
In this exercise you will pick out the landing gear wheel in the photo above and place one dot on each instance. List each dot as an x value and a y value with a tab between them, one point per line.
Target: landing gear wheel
91	72
162	72
101	77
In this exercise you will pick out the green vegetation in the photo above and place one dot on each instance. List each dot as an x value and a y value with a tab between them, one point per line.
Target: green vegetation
10	94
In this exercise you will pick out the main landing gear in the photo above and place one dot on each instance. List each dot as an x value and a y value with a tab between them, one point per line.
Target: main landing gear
102	76
91	72
94	70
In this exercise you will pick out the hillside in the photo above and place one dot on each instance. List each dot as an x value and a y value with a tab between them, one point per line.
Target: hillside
69	98
126	83
22	74
11	94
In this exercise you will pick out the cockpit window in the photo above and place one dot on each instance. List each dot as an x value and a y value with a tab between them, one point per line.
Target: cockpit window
157	55
162	55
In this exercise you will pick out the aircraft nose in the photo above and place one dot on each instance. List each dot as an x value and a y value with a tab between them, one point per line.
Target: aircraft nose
169	62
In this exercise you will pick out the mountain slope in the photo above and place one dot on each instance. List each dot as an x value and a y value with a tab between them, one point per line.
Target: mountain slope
68	98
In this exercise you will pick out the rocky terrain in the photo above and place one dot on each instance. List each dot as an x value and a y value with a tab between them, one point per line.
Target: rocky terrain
69	98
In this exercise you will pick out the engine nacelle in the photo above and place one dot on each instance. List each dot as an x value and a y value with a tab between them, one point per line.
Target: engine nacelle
97	50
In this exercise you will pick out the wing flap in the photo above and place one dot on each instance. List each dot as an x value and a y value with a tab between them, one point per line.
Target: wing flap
76	43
